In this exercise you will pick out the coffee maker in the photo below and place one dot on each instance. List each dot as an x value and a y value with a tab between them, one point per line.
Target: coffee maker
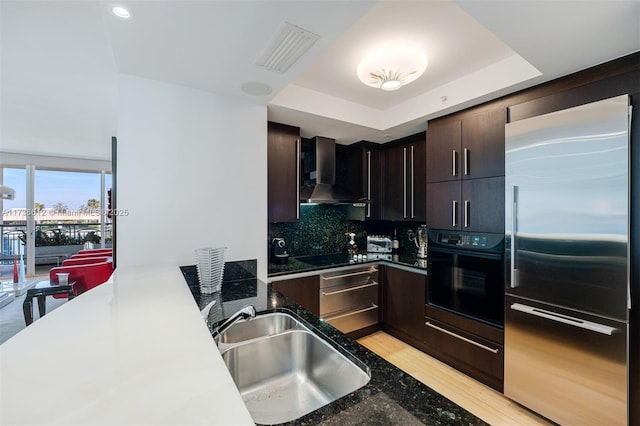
279	253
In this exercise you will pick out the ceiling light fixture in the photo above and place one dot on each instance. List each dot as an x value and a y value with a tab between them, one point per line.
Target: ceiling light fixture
393	66
121	12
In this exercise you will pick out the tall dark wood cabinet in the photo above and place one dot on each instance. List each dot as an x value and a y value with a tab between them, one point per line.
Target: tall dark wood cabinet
364	176
465	172
395	205
283	165
404	304
373	183
405	179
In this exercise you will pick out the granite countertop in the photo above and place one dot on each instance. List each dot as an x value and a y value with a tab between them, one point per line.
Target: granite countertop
319	262
391	397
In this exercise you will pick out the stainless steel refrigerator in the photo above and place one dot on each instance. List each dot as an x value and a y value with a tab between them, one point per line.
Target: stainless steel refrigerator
567	257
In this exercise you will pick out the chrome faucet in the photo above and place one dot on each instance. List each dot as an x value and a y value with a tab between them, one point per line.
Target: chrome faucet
247	312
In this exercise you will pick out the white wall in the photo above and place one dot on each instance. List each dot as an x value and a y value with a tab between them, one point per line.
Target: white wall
57	80
192	172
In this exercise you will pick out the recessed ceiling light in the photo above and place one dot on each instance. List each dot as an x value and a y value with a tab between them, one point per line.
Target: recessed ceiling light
255	88
121	12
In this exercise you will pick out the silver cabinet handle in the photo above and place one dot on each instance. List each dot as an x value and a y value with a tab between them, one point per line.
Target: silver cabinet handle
413	194
344	290
565	319
373	306
454	210
404	188
454	172
352	274
297	178
514	225
464	339
466	213
466	161
369	183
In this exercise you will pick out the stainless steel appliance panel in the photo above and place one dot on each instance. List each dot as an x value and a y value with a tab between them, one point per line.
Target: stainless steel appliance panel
338	299
569	367
354	320
567	250
349	299
567	186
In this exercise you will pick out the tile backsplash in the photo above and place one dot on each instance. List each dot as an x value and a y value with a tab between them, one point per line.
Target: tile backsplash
322	229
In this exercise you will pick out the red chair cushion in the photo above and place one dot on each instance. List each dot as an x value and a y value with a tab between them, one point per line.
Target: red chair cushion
85	260
85	276
73	256
95	251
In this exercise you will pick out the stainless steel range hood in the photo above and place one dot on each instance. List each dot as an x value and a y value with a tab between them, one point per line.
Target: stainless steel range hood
325	190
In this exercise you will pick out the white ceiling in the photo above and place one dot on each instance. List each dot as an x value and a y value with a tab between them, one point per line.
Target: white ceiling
477	50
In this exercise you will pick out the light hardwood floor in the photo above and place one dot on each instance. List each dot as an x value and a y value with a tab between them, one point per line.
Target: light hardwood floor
483	401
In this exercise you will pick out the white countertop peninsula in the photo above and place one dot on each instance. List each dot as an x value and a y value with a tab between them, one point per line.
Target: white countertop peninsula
133	351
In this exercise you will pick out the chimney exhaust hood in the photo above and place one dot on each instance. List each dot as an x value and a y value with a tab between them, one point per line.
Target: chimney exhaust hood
325	190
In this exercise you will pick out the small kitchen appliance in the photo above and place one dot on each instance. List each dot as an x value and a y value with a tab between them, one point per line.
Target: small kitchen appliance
420	239
279	253
378	244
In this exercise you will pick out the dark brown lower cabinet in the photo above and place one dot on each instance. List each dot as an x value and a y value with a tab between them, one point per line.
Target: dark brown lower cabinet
469	346
304	291
404	304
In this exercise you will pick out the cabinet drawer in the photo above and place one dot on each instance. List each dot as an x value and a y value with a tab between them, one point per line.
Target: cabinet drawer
351	277
354	320
473	355
341	298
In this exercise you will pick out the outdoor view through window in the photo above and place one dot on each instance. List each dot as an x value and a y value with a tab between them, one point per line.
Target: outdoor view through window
68	214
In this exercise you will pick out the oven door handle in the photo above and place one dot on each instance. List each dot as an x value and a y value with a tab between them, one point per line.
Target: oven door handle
463	252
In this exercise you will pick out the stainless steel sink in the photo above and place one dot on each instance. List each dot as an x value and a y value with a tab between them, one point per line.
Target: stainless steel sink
289	373
260	326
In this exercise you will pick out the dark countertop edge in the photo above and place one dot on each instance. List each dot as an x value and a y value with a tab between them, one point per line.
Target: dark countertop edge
310	270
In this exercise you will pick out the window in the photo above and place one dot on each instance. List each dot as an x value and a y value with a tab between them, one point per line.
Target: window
68	211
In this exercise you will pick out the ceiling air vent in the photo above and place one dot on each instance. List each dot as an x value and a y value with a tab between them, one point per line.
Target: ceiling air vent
286	47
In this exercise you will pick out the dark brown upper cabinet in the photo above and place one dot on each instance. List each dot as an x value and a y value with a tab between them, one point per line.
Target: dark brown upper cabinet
467	148
283	170
404	196
474	205
465	172
364	176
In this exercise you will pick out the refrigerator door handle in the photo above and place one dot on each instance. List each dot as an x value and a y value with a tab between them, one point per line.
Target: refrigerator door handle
514	224
565	319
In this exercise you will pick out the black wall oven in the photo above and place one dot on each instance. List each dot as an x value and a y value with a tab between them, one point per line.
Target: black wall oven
466	274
